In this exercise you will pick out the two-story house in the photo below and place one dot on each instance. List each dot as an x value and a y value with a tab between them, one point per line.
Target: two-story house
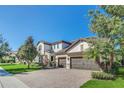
66	54
47	50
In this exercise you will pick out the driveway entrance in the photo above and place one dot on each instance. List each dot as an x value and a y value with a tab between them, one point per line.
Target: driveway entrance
9	81
55	78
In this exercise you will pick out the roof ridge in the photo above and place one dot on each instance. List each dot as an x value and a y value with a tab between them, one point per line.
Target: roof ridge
59	41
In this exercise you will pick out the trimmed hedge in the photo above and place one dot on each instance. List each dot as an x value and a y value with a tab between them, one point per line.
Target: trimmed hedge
102	75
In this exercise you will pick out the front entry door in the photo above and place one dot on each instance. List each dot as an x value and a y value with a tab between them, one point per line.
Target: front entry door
62	62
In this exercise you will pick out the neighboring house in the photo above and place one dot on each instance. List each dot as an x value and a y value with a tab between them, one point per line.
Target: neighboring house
12	54
66	54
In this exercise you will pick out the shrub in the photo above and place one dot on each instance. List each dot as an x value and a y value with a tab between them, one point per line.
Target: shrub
102	75
52	64
115	68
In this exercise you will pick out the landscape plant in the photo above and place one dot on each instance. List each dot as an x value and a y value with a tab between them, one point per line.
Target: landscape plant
102	75
107	24
27	52
4	48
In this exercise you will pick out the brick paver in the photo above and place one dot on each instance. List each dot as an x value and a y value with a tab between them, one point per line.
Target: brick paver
55	78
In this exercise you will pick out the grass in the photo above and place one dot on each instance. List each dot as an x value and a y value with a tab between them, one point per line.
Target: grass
117	83
19	68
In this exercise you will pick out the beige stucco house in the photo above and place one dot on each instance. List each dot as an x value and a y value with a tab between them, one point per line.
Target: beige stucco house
66	54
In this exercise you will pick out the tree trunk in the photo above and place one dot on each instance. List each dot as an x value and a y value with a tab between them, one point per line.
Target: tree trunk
111	60
111	56
28	65
98	61
106	67
122	62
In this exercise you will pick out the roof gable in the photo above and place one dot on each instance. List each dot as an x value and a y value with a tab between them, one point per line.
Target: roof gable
74	44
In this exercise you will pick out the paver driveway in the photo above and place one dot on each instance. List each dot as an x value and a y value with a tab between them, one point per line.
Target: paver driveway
55	78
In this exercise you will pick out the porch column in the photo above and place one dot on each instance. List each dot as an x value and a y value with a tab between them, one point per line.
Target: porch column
56	60
68	62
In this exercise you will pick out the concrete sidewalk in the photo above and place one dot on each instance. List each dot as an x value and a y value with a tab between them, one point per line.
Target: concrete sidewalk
9	81
4	73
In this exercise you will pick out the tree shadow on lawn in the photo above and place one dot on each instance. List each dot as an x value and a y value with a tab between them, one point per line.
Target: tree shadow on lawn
119	76
120	73
7	64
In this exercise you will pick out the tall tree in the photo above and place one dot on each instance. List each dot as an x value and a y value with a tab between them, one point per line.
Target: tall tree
4	46
27	51
108	25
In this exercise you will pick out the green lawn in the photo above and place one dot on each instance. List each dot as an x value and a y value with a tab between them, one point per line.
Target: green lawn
19	68
117	83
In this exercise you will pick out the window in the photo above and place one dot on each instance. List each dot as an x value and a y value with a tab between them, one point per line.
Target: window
51	58
82	47
57	45
54	46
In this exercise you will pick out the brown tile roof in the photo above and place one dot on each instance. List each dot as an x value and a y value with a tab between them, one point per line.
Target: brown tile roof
61	52
62	41
45	42
75	54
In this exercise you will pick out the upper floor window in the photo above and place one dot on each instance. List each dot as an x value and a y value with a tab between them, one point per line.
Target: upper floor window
54	46
82	47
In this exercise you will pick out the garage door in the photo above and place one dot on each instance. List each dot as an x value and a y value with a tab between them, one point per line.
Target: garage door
80	63
62	62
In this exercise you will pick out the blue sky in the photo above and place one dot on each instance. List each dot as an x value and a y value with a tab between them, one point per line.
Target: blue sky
50	23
